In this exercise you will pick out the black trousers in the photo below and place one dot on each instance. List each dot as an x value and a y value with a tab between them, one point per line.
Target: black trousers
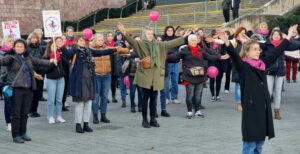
114	85
22	99
149	94
37	94
226	14
228	74
235	13
216	81
66	77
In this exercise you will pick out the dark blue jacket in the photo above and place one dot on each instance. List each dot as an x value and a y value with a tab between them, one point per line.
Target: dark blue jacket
75	81
268	49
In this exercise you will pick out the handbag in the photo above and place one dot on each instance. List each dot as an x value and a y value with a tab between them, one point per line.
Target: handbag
197	71
8	89
146	62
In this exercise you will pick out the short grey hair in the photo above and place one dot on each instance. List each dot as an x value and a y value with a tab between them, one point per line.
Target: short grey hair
38	30
192	37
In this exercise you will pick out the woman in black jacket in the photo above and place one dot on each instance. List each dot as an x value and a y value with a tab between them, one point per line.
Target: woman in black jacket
21	79
257	121
55	84
194	63
36	50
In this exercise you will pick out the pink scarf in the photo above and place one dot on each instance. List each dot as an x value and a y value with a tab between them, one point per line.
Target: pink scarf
52	56
215	45
258	64
261	32
5	48
276	43
110	43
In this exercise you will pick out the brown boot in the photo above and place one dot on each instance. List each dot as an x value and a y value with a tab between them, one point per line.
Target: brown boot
277	114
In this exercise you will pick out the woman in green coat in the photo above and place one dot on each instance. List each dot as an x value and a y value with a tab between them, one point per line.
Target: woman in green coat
151	71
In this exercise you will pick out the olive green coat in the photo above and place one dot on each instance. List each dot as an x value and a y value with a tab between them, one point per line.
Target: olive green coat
154	76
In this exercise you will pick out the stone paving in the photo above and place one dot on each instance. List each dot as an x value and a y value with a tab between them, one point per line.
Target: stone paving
218	133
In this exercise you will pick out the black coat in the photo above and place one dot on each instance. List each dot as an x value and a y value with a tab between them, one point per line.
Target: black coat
236	4
189	61
257	120
235	74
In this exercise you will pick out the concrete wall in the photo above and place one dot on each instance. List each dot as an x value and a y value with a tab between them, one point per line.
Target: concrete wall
29	12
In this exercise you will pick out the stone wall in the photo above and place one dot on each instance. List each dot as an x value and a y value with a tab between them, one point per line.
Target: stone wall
29	12
264	13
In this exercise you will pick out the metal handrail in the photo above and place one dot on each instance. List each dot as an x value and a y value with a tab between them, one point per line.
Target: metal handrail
121	14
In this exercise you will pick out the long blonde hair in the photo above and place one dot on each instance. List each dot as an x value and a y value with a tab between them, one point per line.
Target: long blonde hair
246	47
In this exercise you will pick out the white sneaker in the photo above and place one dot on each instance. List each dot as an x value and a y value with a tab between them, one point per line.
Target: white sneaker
67	104
175	101
169	101
189	115
60	120
199	114
51	120
8	127
226	91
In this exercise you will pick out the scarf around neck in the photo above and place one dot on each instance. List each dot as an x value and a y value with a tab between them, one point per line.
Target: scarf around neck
52	56
110	43
261	32
195	51
258	64
276	43
152	47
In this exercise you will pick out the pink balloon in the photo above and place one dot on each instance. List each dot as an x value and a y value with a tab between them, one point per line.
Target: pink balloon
126	81
212	72
154	16
87	33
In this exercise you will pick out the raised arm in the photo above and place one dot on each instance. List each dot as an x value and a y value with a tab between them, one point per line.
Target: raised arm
173	43
6	60
230	50
99	53
268	60
42	62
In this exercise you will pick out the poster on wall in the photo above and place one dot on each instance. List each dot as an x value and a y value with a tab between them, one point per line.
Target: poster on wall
52	23
11	28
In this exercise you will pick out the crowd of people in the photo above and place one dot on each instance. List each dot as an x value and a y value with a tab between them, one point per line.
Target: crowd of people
87	69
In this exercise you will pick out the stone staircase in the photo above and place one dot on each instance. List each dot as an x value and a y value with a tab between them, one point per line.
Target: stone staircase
206	15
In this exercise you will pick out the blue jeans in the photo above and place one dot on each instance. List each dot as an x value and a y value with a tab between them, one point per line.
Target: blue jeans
55	91
173	77
133	88
163	95
102	88
122	87
237	93
253	147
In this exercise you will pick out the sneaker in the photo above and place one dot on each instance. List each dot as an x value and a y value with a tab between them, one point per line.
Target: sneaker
213	99
226	91
67	104
18	139
51	120
295	81
8	127
201	107
199	114
175	101
189	115
218	99
168	101
34	115
60	119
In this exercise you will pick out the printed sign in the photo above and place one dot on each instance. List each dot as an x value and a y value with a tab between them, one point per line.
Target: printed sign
52	24
11	28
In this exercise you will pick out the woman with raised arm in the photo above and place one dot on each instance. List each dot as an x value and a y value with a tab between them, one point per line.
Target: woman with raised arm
257	121
150	74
